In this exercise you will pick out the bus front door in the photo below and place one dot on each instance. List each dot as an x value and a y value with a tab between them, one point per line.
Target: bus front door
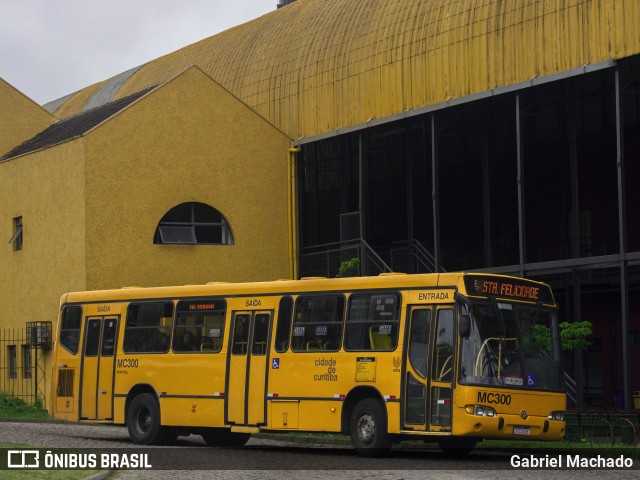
416	379
442	369
429	369
247	372
101	334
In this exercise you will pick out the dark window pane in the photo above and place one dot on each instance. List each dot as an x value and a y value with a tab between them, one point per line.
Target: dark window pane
93	338
284	324
260	334
148	327
70	329
13	369
26	361
180	213
416	404
208	234
206	214
318	323
110	328
241	334
443	353
419	340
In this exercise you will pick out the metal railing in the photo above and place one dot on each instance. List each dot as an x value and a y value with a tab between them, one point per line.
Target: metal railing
424	257
403	253
572	389
325	260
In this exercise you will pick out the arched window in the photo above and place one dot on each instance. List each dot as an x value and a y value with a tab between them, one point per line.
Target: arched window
193	223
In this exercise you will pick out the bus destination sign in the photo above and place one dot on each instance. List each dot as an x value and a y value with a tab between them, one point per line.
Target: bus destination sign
199	305
508	288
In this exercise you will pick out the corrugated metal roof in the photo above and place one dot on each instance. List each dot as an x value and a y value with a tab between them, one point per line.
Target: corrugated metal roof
54	105
73	127
319	65
108	91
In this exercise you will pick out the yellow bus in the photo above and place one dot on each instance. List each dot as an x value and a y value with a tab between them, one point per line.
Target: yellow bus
450	358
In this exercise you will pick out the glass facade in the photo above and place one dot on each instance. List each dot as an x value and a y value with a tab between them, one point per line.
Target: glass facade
530	182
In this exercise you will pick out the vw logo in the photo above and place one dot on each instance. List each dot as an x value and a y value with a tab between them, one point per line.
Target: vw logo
523	414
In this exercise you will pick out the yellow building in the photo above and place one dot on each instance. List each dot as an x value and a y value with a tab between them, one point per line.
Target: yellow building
92	193
88	202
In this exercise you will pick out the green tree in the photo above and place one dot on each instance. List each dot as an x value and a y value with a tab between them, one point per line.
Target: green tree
573	336
349	268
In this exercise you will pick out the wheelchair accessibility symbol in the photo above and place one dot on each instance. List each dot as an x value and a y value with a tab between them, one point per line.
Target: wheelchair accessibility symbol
531	381
275	365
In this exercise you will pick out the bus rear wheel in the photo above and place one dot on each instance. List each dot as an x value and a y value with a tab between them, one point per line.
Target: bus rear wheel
143	420
368	428
223	437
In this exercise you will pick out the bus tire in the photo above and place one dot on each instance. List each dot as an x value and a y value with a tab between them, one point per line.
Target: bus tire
368	428
222	437
143	420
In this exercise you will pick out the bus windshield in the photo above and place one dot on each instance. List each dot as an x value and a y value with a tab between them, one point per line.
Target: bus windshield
510	344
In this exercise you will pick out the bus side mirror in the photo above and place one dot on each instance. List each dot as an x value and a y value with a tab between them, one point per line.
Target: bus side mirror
465	326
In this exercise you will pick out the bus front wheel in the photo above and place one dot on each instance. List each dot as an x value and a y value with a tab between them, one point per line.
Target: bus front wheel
143	420
368	428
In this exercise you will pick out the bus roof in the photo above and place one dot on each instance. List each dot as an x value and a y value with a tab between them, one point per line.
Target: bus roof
384	281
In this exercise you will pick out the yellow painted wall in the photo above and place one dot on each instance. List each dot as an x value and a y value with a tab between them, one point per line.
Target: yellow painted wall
20	117
47	189
319	65
188	140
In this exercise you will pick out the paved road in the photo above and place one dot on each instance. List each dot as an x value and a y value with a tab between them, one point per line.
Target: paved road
266	458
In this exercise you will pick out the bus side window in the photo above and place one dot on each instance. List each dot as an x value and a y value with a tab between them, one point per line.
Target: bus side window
372	323
284	324
70	328
318	323
148	327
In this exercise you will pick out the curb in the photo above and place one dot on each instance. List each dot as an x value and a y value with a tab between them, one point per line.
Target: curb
304	440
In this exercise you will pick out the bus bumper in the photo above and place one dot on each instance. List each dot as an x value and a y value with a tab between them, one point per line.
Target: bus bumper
510	426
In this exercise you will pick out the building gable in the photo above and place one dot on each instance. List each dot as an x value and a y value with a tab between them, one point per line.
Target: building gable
20	117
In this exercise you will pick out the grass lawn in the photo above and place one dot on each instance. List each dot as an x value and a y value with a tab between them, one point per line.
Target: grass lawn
12	408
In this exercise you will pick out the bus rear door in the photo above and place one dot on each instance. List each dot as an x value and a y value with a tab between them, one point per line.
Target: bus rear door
247	371
101	334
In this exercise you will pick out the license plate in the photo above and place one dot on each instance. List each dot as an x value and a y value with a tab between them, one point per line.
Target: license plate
522	430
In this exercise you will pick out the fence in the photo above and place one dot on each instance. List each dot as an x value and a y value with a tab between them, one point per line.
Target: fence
22	373
603	428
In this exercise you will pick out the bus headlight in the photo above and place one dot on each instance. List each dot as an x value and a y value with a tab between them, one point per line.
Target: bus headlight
480	410
558	416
